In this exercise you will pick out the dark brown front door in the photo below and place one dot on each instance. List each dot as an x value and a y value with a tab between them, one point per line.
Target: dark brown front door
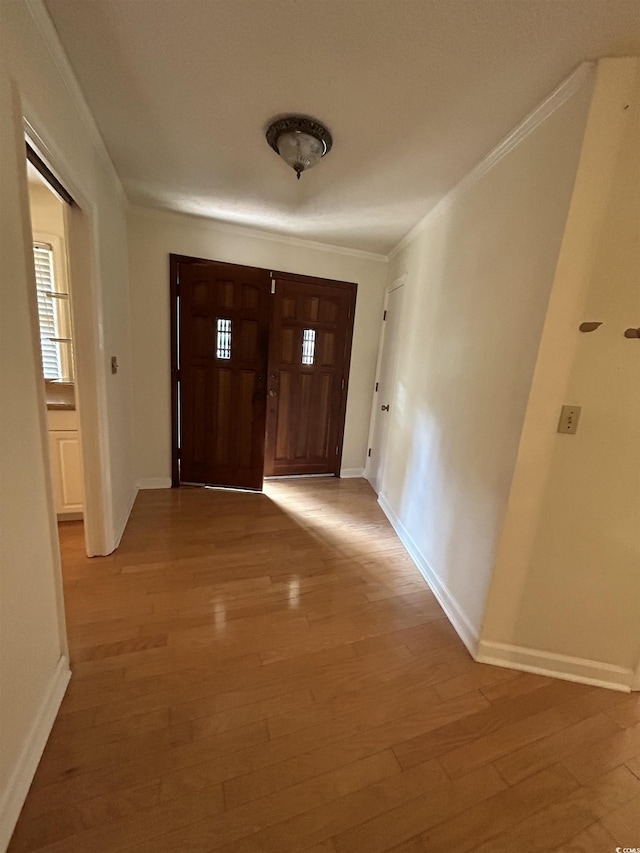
309	352
220	356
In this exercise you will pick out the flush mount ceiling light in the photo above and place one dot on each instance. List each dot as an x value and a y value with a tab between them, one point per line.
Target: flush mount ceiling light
300	141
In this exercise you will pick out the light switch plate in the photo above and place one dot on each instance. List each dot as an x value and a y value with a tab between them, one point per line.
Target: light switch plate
569	417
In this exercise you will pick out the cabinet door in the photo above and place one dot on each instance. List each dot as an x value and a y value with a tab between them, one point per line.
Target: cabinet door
66	470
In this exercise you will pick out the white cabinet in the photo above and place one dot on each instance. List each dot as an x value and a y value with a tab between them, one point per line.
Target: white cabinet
66	465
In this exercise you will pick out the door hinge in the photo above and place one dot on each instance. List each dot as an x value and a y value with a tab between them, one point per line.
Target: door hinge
342	386
179	454
178	375
273	285
377	383
384	316
369	453
337	448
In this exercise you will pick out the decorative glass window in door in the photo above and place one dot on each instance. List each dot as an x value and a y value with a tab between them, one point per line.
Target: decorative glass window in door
308	346
223	339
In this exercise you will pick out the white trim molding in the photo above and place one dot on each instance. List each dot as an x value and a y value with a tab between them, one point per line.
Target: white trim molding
555	665
580	670
154	483
572	84
210	223
18	786
351	473
451	607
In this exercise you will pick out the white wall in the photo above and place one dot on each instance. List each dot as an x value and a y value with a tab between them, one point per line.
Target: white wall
152	237
33	664
479	271
567	579
31	633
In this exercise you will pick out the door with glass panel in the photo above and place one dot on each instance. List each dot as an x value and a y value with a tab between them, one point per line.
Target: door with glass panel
220	334
309	352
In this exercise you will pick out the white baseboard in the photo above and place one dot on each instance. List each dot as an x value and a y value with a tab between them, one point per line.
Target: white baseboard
455	613
124	517
351	473
568	668
557	666
154	483
22	776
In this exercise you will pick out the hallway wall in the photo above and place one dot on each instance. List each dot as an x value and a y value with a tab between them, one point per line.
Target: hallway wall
479	273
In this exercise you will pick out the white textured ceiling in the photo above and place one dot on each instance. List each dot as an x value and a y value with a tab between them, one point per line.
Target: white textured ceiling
415	92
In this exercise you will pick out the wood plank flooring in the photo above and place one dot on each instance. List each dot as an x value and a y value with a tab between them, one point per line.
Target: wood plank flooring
257	673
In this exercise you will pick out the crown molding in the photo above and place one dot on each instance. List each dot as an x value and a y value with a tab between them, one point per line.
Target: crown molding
49	34
210	224
536	117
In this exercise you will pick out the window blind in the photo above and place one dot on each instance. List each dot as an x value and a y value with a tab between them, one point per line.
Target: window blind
45	286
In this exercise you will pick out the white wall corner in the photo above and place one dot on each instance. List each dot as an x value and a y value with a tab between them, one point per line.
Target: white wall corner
449	604
567	668
124	518
22	776
154	483
351	473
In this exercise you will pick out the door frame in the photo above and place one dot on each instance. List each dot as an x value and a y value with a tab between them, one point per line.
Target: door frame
389	289
275	275
87	322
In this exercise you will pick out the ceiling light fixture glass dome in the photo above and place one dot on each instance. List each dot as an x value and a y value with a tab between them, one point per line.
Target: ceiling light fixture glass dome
300	141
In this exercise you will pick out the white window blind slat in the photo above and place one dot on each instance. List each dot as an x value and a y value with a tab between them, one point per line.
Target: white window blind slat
45	286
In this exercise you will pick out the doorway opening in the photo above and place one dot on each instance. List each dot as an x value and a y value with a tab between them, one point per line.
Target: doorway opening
260	370
67	319
384	391
50	242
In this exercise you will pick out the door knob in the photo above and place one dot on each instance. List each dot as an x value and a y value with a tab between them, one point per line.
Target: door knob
385	408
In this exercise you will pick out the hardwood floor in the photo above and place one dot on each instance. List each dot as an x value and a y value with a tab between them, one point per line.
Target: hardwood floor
270	673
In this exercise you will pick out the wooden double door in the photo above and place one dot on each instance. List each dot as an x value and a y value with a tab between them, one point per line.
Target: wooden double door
260	364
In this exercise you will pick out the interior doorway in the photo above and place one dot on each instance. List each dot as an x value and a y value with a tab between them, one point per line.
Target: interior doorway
84	486
260	370
48	201
383	398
